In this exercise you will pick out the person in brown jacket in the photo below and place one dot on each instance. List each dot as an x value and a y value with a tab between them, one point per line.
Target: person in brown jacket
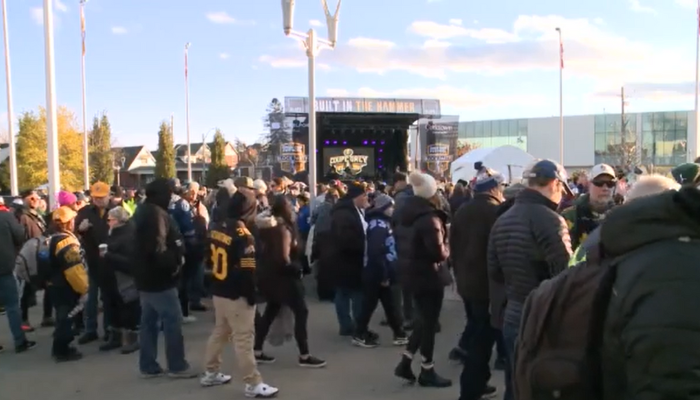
279	279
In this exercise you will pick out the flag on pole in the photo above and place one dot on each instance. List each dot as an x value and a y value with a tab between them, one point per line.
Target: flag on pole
561	53
82	26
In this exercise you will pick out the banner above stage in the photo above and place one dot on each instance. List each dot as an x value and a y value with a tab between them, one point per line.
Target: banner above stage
359	105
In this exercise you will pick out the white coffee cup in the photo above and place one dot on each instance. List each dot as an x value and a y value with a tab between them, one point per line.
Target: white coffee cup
103	249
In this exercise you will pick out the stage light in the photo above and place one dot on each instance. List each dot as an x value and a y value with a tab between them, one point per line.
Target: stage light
381	167
345	142
381	150
382	142
374	142
328	142
364	143
379	159
335	142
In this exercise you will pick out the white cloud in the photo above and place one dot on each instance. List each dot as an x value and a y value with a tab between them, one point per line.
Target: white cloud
315	23
37	14
60	6
461	98
119	30
222	17
224	56
637	6
530	45
455	21
598	21
691	4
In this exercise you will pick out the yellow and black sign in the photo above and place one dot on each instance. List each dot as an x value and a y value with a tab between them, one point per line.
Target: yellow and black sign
362	105
348	163
438	158
292	157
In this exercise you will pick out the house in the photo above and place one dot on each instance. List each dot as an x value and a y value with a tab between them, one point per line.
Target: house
4	152
136	165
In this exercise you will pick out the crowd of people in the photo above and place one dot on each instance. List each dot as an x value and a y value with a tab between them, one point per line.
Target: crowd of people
147	259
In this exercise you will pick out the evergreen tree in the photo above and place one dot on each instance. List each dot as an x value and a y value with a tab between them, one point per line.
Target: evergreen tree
165	157
100	148
275	133
218	169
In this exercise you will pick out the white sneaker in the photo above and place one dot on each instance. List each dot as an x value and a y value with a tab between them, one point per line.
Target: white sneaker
214	379
189	319
261	390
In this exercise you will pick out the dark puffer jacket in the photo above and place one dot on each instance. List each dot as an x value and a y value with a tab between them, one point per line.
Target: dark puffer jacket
347	246
651	341
424	246
528	244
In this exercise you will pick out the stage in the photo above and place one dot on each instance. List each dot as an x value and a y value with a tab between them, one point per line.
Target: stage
356	138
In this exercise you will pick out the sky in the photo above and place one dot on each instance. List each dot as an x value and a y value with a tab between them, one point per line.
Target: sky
495	60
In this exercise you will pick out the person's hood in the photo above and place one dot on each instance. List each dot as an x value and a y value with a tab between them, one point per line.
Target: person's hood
127	229
669	215
242	207
265	220
343	203
159	193
416	207
406	191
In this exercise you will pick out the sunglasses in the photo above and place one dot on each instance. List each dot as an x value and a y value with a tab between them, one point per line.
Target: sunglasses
608	184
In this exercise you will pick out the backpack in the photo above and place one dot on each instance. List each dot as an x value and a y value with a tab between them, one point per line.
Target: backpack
33	263
561	332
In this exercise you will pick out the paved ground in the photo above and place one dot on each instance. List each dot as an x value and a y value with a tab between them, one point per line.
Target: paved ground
352	373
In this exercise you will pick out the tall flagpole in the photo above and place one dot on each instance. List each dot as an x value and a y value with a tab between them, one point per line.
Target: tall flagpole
695	148
10	114
187	116
561	98
51	110
86	154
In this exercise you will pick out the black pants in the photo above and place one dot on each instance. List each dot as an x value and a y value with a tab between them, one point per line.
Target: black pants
374	293
407	305
123	315
476	371
63	329
189	270
295	301
428	306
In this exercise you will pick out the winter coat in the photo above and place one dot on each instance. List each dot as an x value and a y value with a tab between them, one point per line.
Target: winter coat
91	239
380	265
119	261
528	244
424	246
279	273
33	223
346	243
651	336
469	238
11	240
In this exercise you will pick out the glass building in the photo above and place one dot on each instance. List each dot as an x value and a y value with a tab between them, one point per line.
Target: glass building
494	133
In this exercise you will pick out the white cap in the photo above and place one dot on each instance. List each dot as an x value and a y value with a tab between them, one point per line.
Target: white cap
602	169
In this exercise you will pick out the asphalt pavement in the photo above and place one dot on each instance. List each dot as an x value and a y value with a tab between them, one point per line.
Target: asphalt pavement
352	373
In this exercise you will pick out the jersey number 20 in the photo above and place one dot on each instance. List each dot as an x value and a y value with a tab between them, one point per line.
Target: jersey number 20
219	262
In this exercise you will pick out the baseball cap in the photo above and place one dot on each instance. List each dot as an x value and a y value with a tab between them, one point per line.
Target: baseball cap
244	182
63	214
602	169
687	173
99	189
549	169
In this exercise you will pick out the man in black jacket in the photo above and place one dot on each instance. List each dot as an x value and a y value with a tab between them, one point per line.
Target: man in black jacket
348	229
11	238
528	244
651	333
159	256
469	238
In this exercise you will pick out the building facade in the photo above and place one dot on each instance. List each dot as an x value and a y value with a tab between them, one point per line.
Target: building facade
659	139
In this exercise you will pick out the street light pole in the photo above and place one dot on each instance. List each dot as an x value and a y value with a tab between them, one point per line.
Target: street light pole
86	160
313	46
51	114
187	116
561	99
10	114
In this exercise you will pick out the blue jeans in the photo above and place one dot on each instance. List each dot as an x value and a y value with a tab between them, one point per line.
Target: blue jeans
161	307
9	297
478	345
347	300
510	335
195	285
91	306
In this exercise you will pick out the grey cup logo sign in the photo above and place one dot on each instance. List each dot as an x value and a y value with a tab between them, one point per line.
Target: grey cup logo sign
292	157
438	158
348	163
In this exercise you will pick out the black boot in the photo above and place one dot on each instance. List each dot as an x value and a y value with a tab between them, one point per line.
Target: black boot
114	342
429	378
404	370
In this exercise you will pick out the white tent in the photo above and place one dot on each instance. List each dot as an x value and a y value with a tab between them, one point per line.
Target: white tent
509	160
